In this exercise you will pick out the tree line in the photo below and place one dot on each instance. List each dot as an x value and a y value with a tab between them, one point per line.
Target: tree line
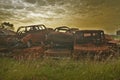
7	25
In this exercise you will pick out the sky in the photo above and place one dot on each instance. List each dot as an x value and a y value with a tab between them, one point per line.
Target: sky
84	14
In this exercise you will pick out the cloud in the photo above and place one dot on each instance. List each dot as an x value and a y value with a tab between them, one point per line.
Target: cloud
87	13
31	1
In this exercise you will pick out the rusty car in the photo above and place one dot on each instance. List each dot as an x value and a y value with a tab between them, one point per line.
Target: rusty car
33	34
60	42
7	39
94	43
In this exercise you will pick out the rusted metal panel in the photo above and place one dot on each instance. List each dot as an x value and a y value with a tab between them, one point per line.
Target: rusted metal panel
58	52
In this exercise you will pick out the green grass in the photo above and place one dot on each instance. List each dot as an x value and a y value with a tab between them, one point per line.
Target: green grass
116	37
63	69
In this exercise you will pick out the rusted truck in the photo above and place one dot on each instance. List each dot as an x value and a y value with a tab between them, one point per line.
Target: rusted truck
93	43
60	42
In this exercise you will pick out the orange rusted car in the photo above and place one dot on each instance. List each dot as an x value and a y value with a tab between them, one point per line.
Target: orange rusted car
33	35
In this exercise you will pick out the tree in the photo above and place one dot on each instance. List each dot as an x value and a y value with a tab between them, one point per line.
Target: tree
7	25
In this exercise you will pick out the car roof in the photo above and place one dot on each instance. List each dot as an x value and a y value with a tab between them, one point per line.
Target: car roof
31	26
89	31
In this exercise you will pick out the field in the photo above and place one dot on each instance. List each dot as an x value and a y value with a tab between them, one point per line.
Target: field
62	69
59	69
